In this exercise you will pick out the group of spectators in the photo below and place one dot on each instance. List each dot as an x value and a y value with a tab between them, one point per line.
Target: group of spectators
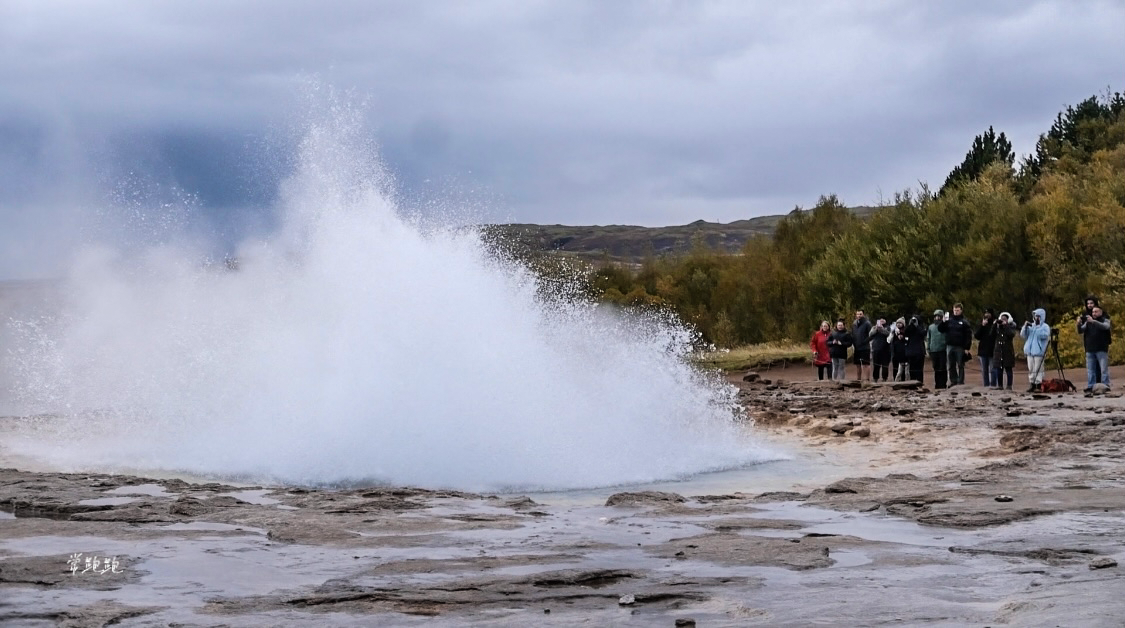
898	351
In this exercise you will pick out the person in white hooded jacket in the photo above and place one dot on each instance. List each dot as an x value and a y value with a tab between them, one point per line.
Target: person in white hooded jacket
1036	334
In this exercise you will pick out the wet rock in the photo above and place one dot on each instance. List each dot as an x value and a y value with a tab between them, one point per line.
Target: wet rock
1003	498
593	578
904	411
1103	563
843	427
53	571
861	432
729	548
685	622
851	383
907	385
640	498
627	600
751	377
187	506
521	503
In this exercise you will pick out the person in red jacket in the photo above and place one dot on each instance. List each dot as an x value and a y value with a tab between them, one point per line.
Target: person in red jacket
819	345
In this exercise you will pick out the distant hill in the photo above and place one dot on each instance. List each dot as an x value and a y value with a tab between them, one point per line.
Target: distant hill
630	243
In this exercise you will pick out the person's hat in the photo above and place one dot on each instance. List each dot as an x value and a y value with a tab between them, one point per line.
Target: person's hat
939	313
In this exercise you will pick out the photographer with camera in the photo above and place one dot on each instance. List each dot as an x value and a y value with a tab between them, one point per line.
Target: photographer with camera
1095	330
1003	352
986	339
880	350
1036	334
898	349
1091	303
916	347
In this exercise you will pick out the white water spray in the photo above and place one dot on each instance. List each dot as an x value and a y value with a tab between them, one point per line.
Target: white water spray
353	346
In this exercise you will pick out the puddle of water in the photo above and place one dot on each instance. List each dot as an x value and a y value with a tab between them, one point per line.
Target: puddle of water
151	490
108	501
872	527
207	526
848	558
803	472
257	497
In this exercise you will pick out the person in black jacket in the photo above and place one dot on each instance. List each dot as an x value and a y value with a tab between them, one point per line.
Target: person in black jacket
838	344
915	347
1095	330
986	340
1003	349
958	339
1091	303
861	333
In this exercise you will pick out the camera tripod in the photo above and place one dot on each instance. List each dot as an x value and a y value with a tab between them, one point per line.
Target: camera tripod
1054	344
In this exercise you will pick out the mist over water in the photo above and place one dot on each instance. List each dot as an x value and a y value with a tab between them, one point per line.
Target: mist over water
356	345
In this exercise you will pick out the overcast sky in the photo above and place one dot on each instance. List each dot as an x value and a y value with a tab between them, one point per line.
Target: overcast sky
554	111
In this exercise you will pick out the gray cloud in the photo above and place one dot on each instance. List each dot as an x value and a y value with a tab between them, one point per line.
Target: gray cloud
575	112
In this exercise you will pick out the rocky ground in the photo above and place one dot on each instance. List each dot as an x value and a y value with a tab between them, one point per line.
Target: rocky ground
958	507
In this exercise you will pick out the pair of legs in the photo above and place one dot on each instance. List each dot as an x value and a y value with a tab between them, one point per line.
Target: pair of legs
916	365
881	365
999	370
986	372
937	362
1096	362
862	361
955	360
839	369
823	370
1035	371
900	371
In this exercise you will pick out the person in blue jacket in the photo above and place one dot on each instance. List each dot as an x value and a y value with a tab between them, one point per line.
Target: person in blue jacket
1036	334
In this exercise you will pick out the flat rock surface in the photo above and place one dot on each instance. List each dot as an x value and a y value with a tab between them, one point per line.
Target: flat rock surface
908	532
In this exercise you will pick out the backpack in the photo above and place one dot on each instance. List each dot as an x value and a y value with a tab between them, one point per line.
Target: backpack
1057	386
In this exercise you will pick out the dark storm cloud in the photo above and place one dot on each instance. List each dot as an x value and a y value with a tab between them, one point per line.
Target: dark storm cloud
576	112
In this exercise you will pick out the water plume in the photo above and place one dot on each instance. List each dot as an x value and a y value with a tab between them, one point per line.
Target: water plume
355	346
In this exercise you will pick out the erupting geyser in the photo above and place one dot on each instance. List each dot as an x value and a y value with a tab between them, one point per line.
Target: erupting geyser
354	346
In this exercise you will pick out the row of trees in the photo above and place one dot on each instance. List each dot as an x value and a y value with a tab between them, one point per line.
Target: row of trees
1043	234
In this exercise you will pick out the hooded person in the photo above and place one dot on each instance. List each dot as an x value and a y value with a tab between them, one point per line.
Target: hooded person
898	349
935	346
1003	349
1036	334
985	340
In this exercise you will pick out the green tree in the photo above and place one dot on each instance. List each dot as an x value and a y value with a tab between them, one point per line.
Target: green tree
988	148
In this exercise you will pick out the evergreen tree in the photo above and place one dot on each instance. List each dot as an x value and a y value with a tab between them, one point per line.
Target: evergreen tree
988	148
